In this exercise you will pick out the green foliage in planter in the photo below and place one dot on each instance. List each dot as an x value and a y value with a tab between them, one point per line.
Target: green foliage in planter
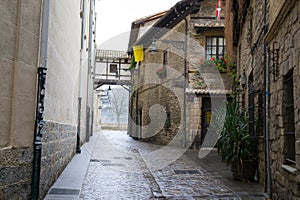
219	63
235	143
161	72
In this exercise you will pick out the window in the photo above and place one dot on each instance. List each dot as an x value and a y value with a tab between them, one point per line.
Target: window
165	58
255	109
251	107
289	123
215	47
113	68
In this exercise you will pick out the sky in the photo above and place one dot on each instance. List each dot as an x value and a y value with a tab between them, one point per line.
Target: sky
114	18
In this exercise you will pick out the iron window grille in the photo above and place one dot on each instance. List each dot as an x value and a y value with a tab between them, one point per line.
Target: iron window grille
289	123
255	109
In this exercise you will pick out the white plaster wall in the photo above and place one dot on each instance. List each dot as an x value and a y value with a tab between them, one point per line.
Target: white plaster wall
63	62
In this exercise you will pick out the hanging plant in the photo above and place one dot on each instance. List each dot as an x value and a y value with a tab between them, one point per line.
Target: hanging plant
133	63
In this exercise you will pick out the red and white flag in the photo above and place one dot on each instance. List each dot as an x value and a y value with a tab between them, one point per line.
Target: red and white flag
218	10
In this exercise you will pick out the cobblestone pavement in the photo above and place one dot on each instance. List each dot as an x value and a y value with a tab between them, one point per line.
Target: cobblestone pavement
120	168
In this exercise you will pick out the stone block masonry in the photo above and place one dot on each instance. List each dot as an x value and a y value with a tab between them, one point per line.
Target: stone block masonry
283	33
59	145
15	173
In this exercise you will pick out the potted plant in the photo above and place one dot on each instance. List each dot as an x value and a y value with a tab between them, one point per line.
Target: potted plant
235	145
219	63
161	72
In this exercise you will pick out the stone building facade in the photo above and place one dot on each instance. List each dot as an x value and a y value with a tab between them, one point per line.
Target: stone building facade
20	31
173	78
264	40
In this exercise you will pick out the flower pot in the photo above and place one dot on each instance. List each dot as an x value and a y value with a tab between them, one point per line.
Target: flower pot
244	171
161	73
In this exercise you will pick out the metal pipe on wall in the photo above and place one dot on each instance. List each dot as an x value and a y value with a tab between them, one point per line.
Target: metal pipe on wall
39	117
94	71
185	83
267	93
95	52
89	74
267	139
80	76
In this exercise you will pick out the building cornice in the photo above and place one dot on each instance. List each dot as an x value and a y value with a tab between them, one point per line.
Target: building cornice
287	6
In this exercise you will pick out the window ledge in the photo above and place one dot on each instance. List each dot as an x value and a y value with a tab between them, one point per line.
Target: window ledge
290	169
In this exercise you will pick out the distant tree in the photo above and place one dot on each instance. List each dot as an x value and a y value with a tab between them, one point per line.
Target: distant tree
119	103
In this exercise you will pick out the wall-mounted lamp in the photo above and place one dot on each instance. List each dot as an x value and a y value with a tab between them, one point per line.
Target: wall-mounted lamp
153	49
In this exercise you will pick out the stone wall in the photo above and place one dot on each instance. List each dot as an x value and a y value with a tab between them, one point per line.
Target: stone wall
194	120
59	144
161	92
15	172
285	178
238	44
169	91
283	19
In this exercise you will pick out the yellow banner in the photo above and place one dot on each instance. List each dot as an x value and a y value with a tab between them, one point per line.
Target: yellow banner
138	53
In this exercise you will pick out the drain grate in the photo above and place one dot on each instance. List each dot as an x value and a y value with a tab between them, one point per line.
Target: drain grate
126	158
60	191
94	160
204	197
186	171
102	161
112	165
105	161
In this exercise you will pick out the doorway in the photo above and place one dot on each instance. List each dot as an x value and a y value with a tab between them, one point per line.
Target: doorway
206	117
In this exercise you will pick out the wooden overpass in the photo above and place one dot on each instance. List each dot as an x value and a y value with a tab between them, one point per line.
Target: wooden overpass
112	68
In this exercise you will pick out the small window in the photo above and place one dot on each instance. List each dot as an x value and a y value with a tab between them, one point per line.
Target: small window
289	123
215	47
113	68
165	58
251	107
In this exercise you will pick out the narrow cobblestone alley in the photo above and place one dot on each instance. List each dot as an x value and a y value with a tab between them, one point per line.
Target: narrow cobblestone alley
117	170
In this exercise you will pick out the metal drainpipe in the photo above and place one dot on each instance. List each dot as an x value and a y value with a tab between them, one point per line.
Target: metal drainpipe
88	108
136	106
130	107
94	71
39	117
267	85
78	150
185	83
269	183
185	79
